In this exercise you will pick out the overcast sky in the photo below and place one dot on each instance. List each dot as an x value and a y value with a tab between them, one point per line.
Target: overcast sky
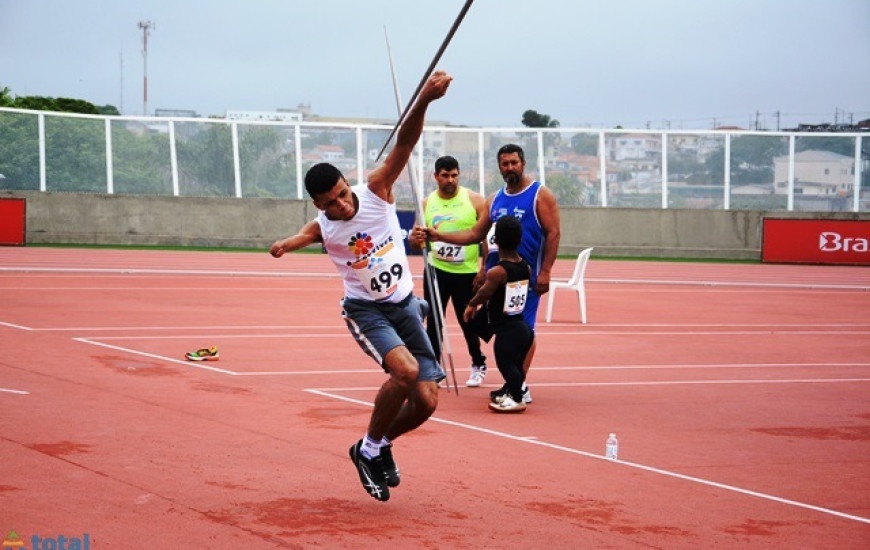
662	63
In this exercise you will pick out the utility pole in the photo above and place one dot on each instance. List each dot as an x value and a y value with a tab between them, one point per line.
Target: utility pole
146	29
777	121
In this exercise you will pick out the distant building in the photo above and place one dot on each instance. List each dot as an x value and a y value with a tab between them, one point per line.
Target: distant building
264	116
175	113
633	146
820	173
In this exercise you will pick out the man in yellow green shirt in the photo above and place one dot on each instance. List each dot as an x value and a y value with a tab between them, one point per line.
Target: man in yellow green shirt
453	208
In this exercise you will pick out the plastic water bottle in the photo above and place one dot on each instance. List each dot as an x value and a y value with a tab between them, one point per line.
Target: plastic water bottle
612	447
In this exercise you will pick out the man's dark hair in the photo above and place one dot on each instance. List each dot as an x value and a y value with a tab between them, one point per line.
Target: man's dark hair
511	148
508	233
446	163
320	178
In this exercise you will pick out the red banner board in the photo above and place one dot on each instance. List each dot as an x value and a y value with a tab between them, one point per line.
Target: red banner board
12	221
816	241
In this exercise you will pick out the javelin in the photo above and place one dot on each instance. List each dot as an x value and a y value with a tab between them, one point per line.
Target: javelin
429	271
426	75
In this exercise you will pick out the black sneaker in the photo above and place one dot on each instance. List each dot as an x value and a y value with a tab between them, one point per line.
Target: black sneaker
390	468
371	473
496	395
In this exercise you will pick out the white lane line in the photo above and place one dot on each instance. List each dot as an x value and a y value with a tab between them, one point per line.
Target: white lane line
340	334
691	382
641	383
701	366
12	325
168	272
224	336
190	364
624	463
579	329
729	283
16	392
192	327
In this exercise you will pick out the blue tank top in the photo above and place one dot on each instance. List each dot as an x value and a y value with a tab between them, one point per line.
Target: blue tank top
521	206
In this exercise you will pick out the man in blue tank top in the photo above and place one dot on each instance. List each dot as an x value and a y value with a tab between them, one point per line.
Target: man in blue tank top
536	208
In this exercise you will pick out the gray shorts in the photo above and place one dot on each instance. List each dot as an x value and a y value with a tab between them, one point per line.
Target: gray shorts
379	327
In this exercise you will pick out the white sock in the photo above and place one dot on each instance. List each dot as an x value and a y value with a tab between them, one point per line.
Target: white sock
370	447
385	442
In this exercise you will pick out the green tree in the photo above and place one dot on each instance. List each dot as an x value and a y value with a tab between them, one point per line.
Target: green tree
585	144
263	162
19	151
568	190
533	119
6	98
205	162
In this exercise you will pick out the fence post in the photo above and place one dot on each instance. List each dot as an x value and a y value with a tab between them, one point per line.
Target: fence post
480	160
664	171
790	201
40	121
856	199
110	181
602	159
360	164
173	158
298	145
726	163
237	170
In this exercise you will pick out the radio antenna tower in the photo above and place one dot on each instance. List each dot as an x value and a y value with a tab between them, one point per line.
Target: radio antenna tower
146	27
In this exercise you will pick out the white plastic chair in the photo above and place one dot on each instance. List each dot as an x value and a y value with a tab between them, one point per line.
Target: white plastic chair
574	283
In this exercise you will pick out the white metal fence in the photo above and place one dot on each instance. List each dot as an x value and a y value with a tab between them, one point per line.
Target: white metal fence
735	170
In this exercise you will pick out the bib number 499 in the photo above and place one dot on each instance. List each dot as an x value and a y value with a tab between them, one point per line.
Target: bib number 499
384	280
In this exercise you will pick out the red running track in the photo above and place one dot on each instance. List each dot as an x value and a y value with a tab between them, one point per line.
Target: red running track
740	395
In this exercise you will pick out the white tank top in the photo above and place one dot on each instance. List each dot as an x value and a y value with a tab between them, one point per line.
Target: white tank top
368	250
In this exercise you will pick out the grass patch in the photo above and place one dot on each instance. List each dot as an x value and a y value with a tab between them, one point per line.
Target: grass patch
677	260
316	250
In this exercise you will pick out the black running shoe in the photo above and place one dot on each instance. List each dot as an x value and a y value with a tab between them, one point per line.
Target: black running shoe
496	395
390	468
371	473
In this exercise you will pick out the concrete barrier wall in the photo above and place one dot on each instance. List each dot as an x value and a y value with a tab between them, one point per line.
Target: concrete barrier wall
256	223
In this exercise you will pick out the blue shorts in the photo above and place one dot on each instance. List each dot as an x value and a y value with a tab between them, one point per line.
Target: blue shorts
530	313
378	327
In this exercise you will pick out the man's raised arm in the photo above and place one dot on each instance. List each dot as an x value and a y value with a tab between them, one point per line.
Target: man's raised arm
381	180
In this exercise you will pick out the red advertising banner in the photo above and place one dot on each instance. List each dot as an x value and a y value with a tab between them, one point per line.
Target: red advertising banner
816	241
12	221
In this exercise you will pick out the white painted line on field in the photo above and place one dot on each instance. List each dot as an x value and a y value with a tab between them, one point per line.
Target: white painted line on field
700	366
620	463
692	382
12	325
224	336
190	327
333	275
729	283
141	271
191	364
16	392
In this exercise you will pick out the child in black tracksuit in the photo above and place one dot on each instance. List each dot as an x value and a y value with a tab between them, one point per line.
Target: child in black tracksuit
504	295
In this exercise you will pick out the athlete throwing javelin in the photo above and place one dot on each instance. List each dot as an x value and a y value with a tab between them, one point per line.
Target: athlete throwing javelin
359	228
